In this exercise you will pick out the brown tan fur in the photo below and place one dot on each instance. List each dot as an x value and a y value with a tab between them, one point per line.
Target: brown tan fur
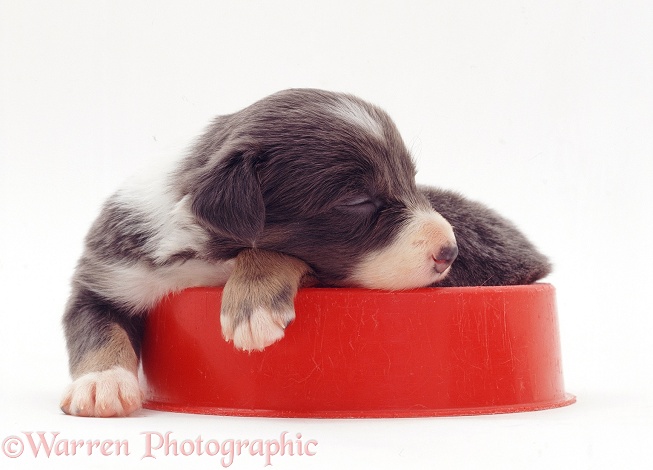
117	353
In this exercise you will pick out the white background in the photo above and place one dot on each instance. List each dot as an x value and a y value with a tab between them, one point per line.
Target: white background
543	110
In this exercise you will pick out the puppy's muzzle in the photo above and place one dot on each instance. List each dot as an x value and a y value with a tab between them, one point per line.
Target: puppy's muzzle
445	257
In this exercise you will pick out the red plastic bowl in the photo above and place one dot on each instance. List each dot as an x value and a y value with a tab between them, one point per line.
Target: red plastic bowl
361	353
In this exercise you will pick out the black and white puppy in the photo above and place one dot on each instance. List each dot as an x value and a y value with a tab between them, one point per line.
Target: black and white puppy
304	186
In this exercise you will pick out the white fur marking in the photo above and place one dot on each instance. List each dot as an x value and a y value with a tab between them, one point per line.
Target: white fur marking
113	392
174	228
139	285
408	262
357	115
179	231
259	331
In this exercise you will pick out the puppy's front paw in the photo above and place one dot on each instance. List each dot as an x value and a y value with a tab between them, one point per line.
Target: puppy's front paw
252	322
113	392
258	299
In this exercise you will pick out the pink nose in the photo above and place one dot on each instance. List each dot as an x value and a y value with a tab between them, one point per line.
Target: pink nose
445	257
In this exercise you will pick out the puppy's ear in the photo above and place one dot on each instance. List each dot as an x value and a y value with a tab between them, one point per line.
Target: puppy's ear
227	197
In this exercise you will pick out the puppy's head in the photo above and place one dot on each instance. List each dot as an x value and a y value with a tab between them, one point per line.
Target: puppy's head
326	178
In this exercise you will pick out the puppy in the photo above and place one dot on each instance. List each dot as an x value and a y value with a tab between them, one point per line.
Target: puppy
302	187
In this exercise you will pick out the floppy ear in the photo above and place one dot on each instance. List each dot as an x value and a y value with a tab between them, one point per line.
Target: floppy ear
227	198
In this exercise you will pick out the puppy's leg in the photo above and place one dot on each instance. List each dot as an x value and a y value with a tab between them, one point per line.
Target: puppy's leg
103	345
258	299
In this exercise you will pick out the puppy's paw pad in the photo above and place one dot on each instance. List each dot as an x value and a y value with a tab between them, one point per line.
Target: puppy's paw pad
260	330
113	392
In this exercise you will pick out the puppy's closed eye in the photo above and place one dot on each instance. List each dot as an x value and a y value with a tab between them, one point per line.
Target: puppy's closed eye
361	205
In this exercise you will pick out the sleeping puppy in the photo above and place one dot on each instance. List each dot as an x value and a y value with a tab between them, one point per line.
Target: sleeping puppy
303	187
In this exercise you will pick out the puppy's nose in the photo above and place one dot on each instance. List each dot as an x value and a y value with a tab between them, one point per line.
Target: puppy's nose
445	257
